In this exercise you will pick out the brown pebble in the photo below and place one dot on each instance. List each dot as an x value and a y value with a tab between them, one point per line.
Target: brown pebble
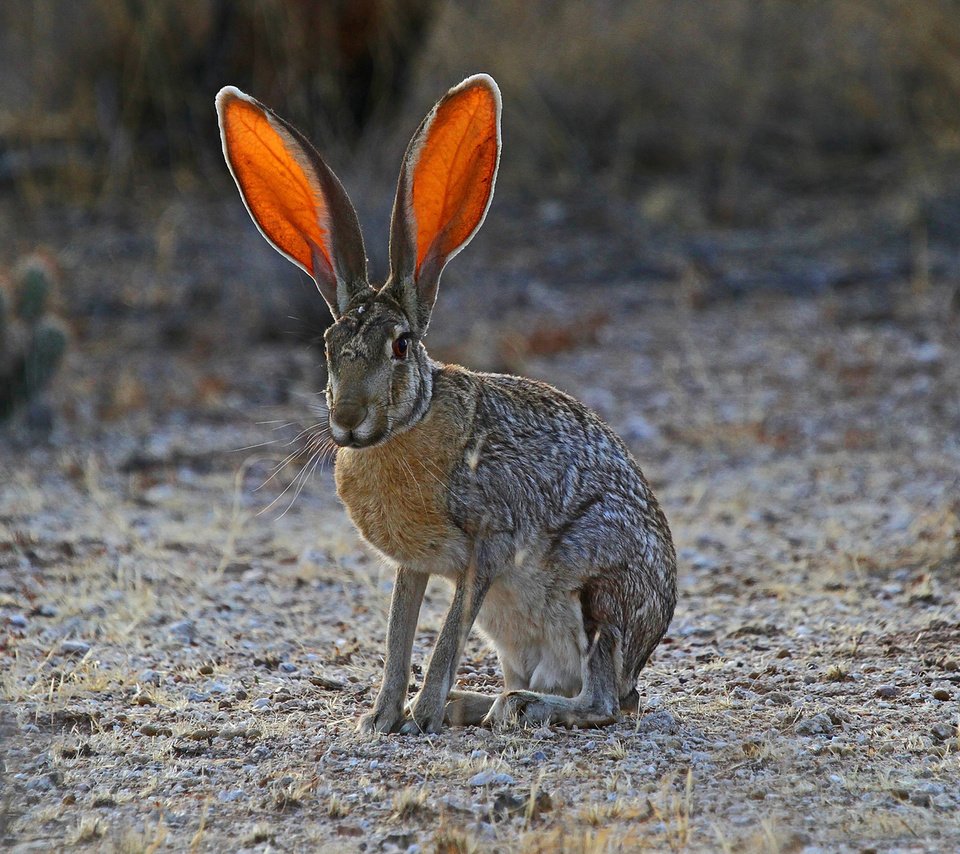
887	692
205	669
941	694
145	700
230	732
202	734
943	732
154	730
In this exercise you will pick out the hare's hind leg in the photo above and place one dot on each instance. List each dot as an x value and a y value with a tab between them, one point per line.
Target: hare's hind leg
597	704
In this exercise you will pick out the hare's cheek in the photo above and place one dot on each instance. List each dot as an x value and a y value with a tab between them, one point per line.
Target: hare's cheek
400	384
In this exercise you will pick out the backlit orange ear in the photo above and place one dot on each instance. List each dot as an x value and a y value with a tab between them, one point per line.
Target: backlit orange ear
278	183
451	169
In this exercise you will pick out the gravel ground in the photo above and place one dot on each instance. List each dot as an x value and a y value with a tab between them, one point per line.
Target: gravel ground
187	639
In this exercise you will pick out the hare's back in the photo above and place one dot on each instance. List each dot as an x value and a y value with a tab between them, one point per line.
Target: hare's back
537	459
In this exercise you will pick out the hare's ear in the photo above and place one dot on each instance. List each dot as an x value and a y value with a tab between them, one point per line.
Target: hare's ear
294	198
446	185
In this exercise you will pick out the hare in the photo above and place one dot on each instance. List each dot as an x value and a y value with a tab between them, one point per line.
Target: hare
511	489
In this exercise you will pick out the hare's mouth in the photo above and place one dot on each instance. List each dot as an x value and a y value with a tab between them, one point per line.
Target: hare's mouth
355	440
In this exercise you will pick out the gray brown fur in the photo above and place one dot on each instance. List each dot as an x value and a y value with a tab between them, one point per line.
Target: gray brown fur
509	488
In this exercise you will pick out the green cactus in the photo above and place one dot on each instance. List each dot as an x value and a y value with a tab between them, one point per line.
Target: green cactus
35	281
32	343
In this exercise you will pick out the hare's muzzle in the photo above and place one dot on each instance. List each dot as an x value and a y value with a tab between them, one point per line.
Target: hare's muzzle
345	417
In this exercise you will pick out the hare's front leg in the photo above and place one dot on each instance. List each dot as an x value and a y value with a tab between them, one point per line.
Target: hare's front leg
429	706
387	714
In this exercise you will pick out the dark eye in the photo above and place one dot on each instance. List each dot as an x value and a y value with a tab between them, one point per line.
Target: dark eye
401	346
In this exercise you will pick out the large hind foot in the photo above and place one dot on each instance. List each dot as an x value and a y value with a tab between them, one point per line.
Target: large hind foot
467	708
534	709
597	704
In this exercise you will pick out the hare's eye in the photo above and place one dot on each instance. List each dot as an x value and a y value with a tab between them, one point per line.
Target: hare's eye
401	346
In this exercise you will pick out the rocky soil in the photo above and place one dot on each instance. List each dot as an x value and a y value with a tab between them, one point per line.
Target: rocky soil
190	627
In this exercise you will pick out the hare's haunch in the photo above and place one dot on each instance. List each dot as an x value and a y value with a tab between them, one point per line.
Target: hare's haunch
517	493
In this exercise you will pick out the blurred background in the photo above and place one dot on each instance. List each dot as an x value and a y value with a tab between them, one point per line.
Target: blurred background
724	148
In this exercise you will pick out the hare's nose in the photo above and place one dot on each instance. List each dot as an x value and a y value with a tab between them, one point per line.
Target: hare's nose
349	414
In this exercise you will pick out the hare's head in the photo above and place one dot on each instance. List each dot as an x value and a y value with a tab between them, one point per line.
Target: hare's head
380	379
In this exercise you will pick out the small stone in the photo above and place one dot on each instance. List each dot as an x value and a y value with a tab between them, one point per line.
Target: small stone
202	734
941	694
817	725
229	795
18	621
538	756
74	647
46	611
198	696
489	777
153	730
657	722
399	840
261	704
183	630
205	669
231	732
287	667
149	677
944	802
887	692
943	732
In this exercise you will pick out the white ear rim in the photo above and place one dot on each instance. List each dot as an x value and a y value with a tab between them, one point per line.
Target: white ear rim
229	93
414	154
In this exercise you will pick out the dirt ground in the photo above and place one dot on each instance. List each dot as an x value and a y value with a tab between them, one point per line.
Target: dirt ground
189	629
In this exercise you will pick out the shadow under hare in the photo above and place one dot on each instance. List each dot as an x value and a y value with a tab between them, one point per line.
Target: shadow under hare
513	490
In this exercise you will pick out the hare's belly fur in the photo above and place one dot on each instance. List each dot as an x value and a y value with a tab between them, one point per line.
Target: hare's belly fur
396	495
537	631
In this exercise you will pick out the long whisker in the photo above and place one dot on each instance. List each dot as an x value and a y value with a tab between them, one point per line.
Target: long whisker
307	472
416	483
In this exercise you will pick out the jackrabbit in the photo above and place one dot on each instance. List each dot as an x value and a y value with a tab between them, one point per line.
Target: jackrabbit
508	487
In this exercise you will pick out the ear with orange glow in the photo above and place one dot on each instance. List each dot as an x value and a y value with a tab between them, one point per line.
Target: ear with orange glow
445	189
294	198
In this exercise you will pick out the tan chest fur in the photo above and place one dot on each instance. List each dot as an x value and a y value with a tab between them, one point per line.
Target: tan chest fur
396	493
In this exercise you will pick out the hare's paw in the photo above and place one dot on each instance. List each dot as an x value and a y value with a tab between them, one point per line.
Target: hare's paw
381	720
423	718
513	707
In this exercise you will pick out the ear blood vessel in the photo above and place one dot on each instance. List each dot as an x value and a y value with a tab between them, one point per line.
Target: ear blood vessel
514	491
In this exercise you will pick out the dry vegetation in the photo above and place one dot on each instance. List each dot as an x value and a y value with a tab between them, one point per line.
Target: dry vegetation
605	94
